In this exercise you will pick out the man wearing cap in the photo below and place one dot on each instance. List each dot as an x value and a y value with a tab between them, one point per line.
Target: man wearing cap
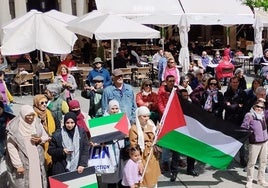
121	92
98	70
94	94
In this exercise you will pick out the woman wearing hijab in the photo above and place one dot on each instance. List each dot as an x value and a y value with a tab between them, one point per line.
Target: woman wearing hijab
143	134
47	120
69	147
114	179
74	107
254	121
113	108
25	156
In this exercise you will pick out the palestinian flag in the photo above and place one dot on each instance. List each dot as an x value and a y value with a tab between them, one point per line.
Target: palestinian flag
87	179
204	137
108	128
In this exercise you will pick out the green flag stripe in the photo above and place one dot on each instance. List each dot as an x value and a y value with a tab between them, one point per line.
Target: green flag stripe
196	149
94	185
82	182
105	120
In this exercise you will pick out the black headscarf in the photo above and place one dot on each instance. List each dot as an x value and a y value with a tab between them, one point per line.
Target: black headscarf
67	116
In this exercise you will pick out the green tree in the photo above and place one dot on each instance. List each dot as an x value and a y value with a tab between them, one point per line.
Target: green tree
256	4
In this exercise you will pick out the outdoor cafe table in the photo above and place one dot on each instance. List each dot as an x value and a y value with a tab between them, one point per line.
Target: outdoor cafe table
245	60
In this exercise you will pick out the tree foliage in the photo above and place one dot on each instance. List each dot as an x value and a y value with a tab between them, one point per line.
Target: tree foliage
256	4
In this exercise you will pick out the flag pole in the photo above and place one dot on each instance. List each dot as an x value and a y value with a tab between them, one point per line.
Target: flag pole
150	153
157	132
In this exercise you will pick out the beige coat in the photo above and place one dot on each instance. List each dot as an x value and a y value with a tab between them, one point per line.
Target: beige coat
153	170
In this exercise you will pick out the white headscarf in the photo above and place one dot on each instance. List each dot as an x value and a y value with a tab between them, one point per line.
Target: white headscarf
111	104
141	111
25	128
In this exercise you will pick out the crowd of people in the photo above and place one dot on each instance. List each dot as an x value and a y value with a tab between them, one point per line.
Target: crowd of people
53	136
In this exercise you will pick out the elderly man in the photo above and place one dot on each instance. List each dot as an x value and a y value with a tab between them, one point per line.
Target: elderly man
121	92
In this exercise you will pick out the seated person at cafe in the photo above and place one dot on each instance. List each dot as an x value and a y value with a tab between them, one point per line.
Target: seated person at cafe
133	56
25	58
205	59
216	58
68	61
120	61
3	63
258	61
41	68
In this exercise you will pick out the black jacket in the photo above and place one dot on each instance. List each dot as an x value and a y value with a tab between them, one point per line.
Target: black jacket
55	149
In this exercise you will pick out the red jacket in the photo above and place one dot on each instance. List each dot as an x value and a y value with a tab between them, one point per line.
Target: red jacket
225	69
143	100
69	64
163	96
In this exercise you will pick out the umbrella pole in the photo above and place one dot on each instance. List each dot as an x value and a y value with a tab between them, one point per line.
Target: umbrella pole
112	55
41	56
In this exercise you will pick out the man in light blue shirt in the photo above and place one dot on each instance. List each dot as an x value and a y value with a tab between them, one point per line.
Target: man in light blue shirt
121	92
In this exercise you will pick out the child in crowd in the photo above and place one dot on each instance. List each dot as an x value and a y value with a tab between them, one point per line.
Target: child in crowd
133	168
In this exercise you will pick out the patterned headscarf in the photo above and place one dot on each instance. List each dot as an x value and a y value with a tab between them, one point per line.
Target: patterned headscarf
42	114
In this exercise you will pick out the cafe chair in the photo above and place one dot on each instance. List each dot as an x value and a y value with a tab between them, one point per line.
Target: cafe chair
141	73
82	65
84	75
127	74
44	79
27	82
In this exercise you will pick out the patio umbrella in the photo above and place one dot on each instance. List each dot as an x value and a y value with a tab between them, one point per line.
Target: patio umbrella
161	20
184	28
109	27
4	13
36	30
258	28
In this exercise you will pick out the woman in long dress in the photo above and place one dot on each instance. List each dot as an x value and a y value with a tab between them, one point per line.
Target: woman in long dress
143	134
25	156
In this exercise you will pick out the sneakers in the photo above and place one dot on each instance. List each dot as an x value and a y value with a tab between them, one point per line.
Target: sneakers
173	177
164	167
249	185
263	183
192	172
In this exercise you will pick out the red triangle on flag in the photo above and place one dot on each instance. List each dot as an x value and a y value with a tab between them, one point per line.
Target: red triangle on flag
122	124
56	183
173	117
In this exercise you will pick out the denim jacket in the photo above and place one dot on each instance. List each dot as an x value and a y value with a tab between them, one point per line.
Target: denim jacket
125	97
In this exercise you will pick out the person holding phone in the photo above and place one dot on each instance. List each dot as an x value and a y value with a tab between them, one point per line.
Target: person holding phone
69	147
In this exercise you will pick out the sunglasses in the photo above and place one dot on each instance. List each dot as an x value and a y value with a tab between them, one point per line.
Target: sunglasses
147	85
97	81
257	106
212	84
43	102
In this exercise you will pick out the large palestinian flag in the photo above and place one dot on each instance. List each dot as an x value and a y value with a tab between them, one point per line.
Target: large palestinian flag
87	179
108	128
204	137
